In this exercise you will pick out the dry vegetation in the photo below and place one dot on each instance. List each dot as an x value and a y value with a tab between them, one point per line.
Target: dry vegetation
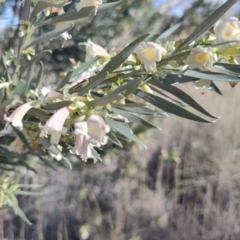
185	186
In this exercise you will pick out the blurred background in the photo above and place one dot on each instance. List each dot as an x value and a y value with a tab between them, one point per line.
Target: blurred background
186	185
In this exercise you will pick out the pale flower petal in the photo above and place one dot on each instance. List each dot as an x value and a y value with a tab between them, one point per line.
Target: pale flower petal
149	53
82	147
201	58
54	125
93	50
17	115
228	30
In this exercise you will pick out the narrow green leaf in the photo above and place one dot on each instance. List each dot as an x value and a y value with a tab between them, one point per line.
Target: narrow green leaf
124	129
177	78
56	105
83	13
215	88
53	149
42	5
169	31
207	23
165	61
13	202
70	16
127	85
95	81
40	74
132	89
36	112
45	161
34	60
133	118
134	108
233	69
64	81
111	66
20	88
107	6
112	137
21	136
83	67
169	107
182	96
25	10
157	90
104	100
211	76
50	35
123	55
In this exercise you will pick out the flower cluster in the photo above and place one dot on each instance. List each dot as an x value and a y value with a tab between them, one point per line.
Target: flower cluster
95	102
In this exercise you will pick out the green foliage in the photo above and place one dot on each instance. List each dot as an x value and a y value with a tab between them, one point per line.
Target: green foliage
102	98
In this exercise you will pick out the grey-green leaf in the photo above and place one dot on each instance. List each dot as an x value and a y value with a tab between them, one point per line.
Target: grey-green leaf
207	23
169	107
56	105
124	129
83	67
20	88
43	4
34	60
64	81
50	35
182	96
133	118
114	63
211	76
104	100
112	137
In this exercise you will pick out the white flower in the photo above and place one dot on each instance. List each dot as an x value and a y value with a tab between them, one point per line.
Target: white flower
228	30
203	83
50	95
93	50
89	3
94	129
17	115
82	147
149	53
201	58
54	125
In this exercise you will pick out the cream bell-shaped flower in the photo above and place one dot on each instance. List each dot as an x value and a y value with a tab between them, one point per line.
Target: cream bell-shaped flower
228	30
17	115
89	3
149	53
94	129
201	58
93	50
54	125
82	147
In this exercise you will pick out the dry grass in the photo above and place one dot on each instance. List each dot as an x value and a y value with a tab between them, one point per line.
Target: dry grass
147	194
